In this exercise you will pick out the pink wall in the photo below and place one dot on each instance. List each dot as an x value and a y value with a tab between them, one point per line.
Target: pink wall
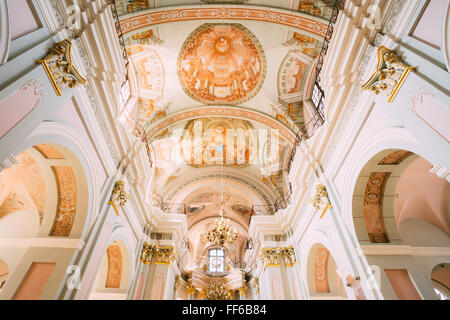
22	20
276	288
35	281
431	24
433	112
14	108
158	288
422	195
402	284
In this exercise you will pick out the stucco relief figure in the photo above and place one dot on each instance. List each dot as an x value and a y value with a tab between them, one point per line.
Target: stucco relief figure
114	274
137	5
221	63
67	199
315	7
373	207
309	7
320	271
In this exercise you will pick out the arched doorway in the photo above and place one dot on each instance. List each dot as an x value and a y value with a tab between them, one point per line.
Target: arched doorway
41	207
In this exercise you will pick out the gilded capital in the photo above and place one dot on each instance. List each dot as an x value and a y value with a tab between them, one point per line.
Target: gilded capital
59	68
389	75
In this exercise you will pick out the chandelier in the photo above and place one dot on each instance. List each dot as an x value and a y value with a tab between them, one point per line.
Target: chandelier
218	291
221	232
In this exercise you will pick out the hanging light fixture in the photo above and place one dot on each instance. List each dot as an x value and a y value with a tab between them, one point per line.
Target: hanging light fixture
222	231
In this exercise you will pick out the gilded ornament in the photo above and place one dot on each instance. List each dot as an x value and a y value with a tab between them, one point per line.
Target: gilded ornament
389	76
320	199
59	68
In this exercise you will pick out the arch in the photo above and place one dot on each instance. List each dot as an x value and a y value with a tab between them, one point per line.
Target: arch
71	144
314	26
62	216
221	111
388	206
323	278
440	278
178	189
38	199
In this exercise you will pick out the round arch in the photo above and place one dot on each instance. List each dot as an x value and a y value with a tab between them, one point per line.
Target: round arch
398	200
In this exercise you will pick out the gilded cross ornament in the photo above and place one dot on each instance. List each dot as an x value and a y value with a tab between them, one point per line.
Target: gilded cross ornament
320	200
118	195
157	254
272	257
389	76
60	69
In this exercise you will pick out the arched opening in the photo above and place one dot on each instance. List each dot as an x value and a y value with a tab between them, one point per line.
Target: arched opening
40	200
398	200
324	282
112	277
440	277
400	205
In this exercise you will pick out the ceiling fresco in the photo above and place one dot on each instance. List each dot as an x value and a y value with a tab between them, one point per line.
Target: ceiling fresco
221	63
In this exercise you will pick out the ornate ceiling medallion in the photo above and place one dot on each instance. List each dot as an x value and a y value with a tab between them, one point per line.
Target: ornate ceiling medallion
221	63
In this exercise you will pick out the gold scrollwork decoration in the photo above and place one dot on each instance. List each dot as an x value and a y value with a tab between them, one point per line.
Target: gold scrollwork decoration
157	254
118	195
320	199
389	76
272	256
60	69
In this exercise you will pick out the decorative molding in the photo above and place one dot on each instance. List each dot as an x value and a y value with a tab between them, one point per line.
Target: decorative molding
8	162
59	68
158	16
440	171
5	32
161	236
275	237
389	76
393	16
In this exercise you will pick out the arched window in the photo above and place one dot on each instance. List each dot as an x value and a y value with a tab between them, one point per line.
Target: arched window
216	260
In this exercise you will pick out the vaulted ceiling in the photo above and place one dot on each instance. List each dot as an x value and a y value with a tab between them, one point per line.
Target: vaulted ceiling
203	69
